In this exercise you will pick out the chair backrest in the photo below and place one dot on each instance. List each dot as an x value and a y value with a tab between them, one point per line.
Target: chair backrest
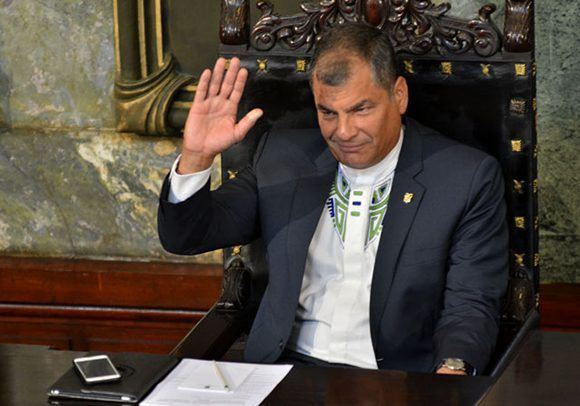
467	79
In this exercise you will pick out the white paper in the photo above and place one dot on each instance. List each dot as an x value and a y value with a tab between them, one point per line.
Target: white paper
249	384
204	376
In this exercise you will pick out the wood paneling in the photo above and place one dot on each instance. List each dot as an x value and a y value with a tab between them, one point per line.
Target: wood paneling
103	305
109	283
144	306
560	306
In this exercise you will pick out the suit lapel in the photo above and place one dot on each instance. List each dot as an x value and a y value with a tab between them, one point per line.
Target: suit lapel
311	192
404	202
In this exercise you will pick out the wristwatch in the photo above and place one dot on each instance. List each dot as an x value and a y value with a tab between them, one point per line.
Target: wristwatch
457	364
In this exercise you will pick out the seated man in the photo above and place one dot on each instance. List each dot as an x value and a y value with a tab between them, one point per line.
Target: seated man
386	242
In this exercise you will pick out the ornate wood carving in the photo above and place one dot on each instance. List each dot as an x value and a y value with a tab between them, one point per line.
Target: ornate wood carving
519	20
236	286
519	299
234	22
415	26
373	11
420	26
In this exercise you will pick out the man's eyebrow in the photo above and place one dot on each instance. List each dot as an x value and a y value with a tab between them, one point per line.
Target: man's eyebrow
356	107
324	108
359	105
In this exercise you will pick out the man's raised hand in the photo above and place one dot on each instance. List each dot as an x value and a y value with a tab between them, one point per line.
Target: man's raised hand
211	125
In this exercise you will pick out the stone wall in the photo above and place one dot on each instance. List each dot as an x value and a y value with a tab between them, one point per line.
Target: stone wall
70	186
558	59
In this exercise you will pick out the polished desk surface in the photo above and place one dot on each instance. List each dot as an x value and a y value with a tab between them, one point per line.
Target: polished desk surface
545	372
27	371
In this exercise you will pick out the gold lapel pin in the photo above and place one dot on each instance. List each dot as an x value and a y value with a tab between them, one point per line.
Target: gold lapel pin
408	197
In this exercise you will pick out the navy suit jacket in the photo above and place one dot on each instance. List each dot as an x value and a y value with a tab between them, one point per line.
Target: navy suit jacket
441	266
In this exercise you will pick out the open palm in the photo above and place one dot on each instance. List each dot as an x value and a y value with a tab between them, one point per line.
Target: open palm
211	125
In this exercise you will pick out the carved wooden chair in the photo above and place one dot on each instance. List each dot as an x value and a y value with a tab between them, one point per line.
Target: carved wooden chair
467	79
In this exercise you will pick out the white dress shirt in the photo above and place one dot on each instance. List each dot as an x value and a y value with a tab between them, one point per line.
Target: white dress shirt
332	320
182	187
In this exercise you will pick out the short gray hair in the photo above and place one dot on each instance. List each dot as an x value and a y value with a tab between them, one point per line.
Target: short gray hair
354	39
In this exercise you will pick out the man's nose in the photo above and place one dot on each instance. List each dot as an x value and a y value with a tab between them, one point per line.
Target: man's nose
345	129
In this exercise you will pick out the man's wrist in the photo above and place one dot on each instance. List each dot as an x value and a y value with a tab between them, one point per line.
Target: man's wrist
456	365
183	186
191	162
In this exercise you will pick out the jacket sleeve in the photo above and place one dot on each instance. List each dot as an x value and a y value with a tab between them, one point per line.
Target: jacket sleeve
477	276
210	220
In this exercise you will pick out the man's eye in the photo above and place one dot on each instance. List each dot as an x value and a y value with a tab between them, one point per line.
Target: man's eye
328	114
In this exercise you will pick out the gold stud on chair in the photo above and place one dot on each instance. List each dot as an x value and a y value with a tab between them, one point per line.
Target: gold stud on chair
519	258
485	70
519	186
517	106
262	65
446	68
300	65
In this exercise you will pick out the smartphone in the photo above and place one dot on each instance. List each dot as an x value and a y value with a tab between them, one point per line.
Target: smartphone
96	369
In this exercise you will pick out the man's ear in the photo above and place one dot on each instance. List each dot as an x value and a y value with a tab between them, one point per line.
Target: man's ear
401	94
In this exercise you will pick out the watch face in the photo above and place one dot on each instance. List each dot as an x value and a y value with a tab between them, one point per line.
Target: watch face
455	364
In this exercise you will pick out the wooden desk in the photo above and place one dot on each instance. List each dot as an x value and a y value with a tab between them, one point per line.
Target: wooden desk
545	372
27	371
349	386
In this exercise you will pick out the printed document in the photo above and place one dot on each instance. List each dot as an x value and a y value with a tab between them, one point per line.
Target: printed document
200	382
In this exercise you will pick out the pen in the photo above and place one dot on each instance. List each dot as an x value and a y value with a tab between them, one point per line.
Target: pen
221	376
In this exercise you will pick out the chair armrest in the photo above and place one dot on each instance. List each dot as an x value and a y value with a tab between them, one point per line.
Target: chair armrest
213	335
225	322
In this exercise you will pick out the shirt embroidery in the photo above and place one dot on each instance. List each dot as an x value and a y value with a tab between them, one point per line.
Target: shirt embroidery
337	205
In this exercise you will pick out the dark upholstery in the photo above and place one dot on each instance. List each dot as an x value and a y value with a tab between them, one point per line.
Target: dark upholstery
487	101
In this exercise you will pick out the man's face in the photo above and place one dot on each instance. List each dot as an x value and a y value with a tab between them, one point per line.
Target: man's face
360	120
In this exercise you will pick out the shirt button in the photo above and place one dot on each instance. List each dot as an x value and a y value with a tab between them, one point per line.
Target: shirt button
281	344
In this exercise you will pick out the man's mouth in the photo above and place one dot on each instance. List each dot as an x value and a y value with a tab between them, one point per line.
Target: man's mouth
350	148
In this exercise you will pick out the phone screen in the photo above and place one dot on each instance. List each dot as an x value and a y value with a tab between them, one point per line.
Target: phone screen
97	369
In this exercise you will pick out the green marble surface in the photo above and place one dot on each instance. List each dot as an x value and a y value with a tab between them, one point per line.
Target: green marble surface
83	193
558	58
70	186
56	63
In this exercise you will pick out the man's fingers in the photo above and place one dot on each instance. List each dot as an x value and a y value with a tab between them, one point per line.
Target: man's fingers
202	86
246	123
216	77
230	78
239	85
